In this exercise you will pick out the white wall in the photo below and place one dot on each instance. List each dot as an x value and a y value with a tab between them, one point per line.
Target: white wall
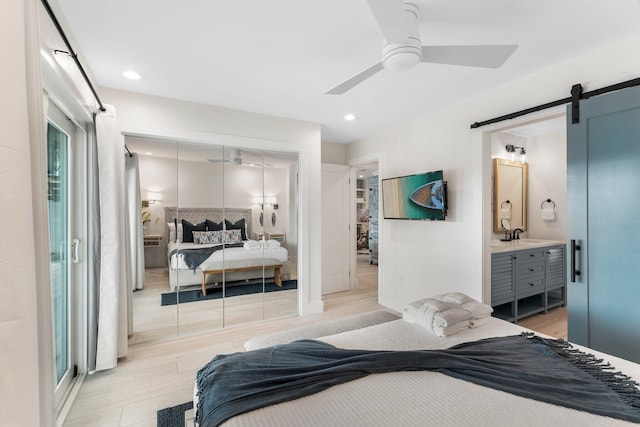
334	153
426	258
548	180
152	116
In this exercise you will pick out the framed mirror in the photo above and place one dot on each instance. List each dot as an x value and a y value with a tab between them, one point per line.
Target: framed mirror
509	194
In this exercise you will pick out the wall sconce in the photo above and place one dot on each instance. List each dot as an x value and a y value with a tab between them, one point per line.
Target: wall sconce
154	197
266	200
511	149
151	199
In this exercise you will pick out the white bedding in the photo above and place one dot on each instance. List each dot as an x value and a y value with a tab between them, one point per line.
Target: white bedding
241	257
180	274
421	398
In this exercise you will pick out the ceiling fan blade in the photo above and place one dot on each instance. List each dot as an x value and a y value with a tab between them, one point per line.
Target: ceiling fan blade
355	80
485	56
392	19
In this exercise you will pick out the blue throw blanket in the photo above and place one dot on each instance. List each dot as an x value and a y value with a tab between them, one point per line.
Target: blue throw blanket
525	365
193	257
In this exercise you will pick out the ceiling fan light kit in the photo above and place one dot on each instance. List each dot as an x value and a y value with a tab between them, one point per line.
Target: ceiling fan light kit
403	48
400	57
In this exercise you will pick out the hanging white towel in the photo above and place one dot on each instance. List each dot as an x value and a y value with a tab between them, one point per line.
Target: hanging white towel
548	214
505	213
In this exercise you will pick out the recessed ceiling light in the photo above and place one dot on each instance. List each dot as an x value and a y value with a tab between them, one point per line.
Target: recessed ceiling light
130	74
349	117
148	153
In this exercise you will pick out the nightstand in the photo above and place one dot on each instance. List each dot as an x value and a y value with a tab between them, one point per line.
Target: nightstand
154	251
280	237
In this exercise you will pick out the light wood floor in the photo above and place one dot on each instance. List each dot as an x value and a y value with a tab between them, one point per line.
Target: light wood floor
151	321
158	374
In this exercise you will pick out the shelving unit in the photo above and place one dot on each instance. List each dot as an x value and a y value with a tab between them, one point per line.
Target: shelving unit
362	213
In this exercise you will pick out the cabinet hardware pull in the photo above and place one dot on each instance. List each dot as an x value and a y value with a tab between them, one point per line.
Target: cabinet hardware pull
531	269
574	248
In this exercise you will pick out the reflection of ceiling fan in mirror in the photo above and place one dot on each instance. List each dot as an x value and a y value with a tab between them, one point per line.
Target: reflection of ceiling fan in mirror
403	49
233	156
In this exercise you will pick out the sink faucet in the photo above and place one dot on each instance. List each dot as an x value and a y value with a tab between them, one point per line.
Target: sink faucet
516	233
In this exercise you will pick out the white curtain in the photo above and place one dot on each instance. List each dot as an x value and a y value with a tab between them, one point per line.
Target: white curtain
133	215
113	289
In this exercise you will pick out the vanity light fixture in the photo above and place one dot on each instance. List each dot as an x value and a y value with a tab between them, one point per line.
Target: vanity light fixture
511	149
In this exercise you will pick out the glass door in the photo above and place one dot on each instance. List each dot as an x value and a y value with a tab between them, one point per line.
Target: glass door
59	131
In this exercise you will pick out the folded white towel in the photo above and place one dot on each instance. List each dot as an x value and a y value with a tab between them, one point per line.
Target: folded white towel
477	309
435	314
448	313
450	330
456	297
479	321
272	244
548	214
252	244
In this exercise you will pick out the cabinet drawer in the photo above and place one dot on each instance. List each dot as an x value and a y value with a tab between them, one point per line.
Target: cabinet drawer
530	270
529	286
530	255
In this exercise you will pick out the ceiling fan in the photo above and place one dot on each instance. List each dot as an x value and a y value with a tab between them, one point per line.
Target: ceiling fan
403	48
235	158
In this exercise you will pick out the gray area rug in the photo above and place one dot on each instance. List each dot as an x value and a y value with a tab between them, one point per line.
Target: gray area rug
176	416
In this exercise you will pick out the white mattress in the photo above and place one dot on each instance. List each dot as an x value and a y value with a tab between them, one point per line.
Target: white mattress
239	257
421	398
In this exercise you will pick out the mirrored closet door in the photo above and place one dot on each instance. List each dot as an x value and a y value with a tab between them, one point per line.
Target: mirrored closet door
220	237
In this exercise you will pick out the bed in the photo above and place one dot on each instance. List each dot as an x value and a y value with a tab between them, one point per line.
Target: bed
419	398
234	263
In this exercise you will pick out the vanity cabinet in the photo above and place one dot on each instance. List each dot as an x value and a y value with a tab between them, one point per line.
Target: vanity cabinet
527	281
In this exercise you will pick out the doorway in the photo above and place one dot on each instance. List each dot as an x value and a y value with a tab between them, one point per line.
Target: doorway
366	232
543	140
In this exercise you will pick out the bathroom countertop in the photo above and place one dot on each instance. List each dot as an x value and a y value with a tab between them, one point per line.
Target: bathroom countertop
516	245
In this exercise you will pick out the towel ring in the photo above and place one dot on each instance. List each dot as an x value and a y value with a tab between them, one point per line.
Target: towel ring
504	203
547	201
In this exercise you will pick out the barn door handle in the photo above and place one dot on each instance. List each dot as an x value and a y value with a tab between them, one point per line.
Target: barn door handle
574	248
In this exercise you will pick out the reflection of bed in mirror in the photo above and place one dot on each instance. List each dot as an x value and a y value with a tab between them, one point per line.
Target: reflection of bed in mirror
243	259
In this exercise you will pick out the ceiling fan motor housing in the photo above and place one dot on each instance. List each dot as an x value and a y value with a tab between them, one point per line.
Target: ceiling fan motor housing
405	54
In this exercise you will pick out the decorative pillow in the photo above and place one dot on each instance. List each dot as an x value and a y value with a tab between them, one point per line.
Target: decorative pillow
172	231
174	236
231	236
213	226
240	225
207	237
188	229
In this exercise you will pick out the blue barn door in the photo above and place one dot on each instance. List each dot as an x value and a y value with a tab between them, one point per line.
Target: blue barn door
603	193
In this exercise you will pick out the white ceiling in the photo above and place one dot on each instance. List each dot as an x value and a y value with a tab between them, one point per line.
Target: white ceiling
279	57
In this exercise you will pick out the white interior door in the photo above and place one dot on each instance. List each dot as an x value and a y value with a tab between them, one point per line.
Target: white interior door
335	228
